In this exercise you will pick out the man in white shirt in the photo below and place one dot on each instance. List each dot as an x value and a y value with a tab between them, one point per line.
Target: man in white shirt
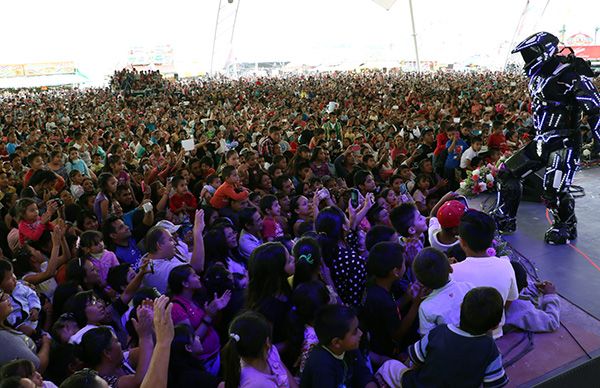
162	252
476	231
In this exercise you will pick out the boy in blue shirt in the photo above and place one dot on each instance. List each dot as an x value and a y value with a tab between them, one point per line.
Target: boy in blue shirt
455	146
450	356
336	361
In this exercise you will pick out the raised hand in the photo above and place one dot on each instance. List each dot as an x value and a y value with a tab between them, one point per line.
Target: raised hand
218	303
163	321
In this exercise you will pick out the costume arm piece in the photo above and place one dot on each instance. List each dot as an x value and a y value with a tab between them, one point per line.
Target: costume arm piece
589	100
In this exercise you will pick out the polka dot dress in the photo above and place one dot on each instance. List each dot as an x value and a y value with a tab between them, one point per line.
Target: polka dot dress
349	273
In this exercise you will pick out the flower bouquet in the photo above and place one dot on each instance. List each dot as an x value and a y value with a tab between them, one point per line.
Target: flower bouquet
479	180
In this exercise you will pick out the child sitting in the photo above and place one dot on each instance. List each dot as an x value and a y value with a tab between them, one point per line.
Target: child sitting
422	184
270	207
451	356
182	203
442	305
97	164
230	189
336	361
411	225
25	302
443	228
250	359
381	313
76	163
76	179
92	247
31	225
524	314
476	231
208	190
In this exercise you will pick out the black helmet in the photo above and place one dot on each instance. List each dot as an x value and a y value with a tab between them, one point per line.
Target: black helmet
536	50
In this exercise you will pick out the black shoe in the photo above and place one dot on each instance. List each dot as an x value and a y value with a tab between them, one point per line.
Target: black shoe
505	224
573	232
558	235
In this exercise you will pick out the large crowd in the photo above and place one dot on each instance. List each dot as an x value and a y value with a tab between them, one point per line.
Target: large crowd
301	231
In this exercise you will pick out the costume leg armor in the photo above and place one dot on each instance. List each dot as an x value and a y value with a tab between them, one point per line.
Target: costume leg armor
557	180
522	163
564	227
507	203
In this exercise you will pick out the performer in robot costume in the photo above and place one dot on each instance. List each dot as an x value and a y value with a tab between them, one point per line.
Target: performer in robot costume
561	90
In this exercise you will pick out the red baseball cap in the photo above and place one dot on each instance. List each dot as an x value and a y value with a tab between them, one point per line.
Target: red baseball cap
449	214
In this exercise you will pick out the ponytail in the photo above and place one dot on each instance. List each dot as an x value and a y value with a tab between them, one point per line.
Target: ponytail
248	335
231	364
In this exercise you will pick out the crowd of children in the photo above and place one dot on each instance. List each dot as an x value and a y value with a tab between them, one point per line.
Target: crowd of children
331	253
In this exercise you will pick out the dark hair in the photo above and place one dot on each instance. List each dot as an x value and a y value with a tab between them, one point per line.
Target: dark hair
230	153
217	279
215	245
266	203
93	344
329	225
21	261
205	160
333	321
90	238
520	275
360	177
307	253
153	237
103	180
278	182
403	218
211	178
76	270
481	310
117	277
62	359
108	229
5	267
22	205
246	216
384	257
33	156
306	299
177	180
373	213
181	360
42	176
377	234
21	368
77	304
248	335
85	378
177	276
476	229
266	270
227	172
432	268
11	382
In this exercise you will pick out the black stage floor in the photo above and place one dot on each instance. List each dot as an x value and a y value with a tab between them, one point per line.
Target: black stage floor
573	268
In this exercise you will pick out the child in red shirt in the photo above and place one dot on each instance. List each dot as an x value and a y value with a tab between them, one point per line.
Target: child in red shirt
497	139
231	189
31	225
270	207
183	203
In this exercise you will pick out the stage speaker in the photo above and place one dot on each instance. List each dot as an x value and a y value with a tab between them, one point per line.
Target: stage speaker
582	376
533	186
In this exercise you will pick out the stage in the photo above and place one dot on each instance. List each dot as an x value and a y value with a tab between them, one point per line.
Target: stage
575	270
